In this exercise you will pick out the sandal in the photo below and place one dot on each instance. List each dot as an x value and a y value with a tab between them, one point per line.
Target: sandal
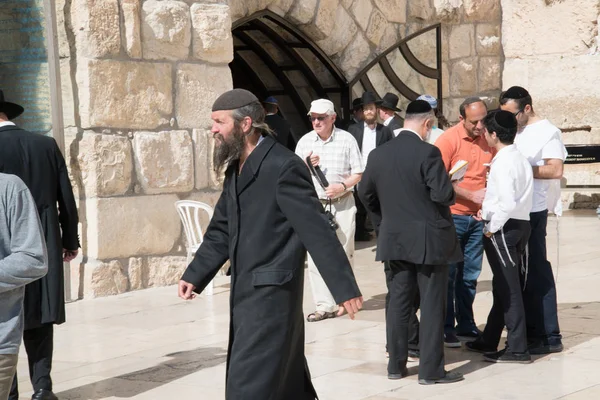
319	316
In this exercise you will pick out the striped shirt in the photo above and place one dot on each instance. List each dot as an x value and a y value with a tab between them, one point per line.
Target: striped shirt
339	156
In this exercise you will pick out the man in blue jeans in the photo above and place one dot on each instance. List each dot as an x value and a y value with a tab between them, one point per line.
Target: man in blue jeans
465	142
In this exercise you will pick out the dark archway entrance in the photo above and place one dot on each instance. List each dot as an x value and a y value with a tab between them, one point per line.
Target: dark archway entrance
274	58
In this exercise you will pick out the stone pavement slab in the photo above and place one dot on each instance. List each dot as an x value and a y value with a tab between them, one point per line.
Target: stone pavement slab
151	345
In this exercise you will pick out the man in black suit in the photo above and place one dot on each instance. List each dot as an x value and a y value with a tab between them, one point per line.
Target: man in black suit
407	189
388	108
266	219
369	135
37	160
357	112
278	124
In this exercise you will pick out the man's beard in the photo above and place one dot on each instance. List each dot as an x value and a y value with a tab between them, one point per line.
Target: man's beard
370	120
228	150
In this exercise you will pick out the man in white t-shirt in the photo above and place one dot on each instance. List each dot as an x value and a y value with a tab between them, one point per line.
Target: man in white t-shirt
540	142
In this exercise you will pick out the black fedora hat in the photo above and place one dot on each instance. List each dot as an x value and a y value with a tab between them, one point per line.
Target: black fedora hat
11	110
390	101
369	98
356	104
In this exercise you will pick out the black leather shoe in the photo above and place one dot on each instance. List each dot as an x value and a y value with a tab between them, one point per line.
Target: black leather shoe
545	348
479	346
504	356
44	394
398	376
450	377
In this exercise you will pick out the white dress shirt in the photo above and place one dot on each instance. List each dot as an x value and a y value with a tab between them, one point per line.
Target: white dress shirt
387	121
6	123
369	142
509	193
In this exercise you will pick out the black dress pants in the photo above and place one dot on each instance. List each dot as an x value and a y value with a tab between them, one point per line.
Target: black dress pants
39	346
505	252
361	218
432	283
413	323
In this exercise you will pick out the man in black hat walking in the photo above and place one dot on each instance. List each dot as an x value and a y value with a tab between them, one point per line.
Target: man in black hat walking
37	160
388	107
369	135
357	112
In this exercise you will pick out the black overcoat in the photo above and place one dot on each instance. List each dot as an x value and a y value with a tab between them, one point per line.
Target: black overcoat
406	188
264	221
382	134
37	160
283	130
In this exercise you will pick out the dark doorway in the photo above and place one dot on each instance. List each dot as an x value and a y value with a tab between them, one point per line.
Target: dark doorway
273	58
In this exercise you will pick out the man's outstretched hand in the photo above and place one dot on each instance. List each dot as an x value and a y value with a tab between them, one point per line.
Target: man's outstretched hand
351	306
186	290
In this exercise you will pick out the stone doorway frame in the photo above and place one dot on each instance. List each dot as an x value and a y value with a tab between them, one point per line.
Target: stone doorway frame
263	21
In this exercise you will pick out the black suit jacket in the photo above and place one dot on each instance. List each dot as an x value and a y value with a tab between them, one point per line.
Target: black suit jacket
383	134
395	123
282	129
264	222
37	160
406	187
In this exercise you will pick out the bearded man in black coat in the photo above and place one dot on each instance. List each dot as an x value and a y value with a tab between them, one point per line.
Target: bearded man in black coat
266	219
37	160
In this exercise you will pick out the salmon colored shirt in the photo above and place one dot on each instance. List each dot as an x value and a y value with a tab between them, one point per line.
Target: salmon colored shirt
455	145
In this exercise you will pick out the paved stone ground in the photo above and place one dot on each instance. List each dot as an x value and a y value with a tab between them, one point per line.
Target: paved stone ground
151	345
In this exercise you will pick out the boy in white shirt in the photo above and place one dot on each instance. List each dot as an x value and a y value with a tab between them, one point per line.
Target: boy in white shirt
540	142
505	210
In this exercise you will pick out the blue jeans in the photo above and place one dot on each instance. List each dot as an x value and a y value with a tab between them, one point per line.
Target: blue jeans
462	282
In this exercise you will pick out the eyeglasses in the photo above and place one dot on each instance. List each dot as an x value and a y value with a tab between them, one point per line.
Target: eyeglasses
517	113
320	119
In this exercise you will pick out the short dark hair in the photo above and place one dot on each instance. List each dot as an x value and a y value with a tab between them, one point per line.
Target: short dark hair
468	101
505	135
521	103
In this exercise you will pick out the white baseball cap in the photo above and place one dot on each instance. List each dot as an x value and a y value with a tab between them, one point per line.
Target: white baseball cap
321	106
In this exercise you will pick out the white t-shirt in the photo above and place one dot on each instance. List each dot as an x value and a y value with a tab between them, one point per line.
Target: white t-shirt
369	142
538	142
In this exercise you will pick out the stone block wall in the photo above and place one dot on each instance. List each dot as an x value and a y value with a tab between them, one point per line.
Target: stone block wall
551	48
138	80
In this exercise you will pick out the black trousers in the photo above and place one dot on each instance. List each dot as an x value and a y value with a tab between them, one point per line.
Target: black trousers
413	323
432	283
361	217
505	252
39	346
540	291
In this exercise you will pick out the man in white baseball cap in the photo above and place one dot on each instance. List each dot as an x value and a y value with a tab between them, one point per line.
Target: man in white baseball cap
336	154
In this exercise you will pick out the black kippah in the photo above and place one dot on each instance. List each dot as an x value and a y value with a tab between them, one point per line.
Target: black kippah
515	93
418	107
234	99
505	119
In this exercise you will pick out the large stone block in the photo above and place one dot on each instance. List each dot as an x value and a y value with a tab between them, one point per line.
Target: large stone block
343	32
121	227
63	42
462	39
164	161
589	137
166	30
376	28
132	37
355	56
394	10
421	11
564	89
463	77
212	40
256	5
68	102
96	27
535	28
489	74
482	10
198	86
389	38
202	164
362	10
122	94
104	279
582	174
488	40
106	164
324	21
448	10
165	271
445	80
281	7
303	12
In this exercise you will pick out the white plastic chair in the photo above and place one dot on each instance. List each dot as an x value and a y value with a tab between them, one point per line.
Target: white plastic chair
189	212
